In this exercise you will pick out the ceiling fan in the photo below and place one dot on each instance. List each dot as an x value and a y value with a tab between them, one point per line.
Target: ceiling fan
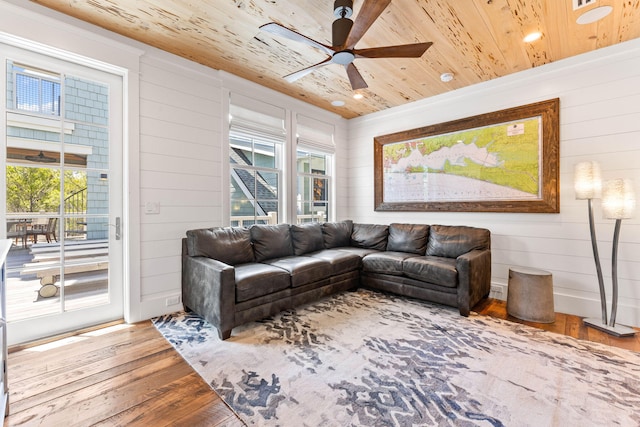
345	35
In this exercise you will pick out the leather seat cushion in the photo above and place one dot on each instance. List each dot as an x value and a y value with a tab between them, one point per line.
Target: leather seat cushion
361	252
255	280
302	269
385	262
340	261
437	270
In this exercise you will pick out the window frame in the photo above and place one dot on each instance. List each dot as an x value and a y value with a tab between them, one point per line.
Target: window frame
301	215
41	76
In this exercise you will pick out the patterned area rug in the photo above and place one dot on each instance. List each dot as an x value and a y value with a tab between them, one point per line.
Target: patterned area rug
369	359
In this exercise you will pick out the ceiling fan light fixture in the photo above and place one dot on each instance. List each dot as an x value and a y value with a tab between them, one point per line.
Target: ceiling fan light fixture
344	57
446	77
40	158
358	95
594	15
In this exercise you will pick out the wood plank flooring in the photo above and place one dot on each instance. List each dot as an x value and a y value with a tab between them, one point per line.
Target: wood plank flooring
122	375
128	375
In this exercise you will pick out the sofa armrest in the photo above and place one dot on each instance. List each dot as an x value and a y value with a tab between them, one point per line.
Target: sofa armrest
208	288
474	278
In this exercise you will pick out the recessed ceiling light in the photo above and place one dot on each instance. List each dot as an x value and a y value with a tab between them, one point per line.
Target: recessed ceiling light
358	96
594	15
337	103
531	37
446	77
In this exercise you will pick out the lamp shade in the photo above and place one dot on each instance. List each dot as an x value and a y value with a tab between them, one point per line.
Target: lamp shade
618	199
587	181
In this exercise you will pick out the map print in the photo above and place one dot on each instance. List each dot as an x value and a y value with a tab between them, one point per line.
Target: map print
496	162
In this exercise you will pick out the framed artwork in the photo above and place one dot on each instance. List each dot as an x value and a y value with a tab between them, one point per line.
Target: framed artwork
504	161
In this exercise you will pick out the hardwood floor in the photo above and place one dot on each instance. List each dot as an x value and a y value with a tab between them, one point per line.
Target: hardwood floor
125	375
129	375
565	324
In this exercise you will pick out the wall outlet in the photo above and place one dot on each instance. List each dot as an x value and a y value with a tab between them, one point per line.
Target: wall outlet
173	300
579	4
498	292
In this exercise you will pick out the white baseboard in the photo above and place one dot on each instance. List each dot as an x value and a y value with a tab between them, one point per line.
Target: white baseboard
579	306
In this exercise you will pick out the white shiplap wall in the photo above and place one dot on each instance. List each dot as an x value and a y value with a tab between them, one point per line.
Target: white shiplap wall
599	120
180	167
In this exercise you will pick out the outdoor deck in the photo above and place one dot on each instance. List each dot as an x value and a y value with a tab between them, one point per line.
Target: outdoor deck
86	278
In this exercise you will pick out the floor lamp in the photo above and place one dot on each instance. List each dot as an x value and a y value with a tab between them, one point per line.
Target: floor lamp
618	202
588	185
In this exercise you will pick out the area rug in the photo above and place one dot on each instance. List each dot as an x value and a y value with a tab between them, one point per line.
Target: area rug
370	359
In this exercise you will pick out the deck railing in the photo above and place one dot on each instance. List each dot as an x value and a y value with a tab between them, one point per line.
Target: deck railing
272	218
75	207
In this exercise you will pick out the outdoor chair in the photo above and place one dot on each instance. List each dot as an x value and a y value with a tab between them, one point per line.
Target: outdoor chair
49	232
17	230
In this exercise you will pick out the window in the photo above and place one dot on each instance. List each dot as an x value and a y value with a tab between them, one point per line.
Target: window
314	161
256	140
313	186
36	91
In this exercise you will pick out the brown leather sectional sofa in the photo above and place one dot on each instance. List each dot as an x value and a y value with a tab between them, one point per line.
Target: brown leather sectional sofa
235	275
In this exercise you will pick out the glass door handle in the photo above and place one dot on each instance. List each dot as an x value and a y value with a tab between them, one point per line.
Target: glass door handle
118	227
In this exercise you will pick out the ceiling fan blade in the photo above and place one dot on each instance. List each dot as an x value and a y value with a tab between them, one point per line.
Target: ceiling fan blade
299	74
279	30
415	50
369	12
355	78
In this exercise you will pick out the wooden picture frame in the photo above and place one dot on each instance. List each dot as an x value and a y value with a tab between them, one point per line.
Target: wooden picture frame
504	161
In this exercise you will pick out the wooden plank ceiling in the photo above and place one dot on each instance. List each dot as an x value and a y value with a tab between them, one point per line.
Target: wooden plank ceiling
476	40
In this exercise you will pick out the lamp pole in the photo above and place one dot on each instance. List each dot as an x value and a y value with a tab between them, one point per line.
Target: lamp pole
596	257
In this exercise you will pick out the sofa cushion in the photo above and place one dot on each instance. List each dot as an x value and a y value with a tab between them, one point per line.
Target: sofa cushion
231	245
255	280
271	241
302	269
453	241
437	270
385	262
410	238
370	236
361	252
306	238
340	261
337	234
